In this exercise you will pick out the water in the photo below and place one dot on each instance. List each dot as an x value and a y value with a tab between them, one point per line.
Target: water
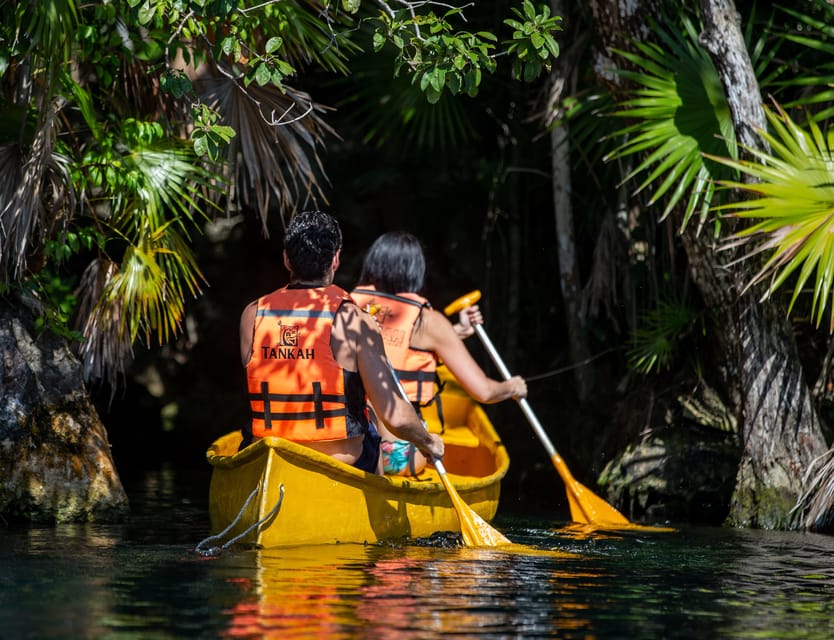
144	580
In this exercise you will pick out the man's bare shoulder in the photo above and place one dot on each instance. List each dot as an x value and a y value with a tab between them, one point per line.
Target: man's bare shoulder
247	316
351	315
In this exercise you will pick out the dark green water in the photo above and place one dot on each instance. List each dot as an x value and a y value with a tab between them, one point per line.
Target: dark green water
143	579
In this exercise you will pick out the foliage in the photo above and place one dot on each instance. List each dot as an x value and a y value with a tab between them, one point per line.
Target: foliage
439	57
678	111
681	133
792	206
141	118
811	69
659	335
532	41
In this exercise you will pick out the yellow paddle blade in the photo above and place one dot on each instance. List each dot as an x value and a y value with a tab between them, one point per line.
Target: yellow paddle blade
600	531
585	506
476	531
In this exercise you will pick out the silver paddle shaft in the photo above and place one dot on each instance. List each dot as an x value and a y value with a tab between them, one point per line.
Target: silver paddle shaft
525	406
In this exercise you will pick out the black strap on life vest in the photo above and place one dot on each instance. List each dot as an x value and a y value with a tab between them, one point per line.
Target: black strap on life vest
317	398
420	377
436	399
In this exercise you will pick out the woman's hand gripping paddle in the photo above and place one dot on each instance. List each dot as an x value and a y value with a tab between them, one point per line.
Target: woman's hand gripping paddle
585	506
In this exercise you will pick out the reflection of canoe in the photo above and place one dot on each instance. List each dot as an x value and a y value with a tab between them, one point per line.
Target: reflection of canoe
326	501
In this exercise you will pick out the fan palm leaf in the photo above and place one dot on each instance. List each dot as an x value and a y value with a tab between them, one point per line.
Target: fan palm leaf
26	176
660	332
791	208
678	111
394	111
106	348
149	194
306	37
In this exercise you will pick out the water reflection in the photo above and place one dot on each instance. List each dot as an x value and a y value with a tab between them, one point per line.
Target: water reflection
143	579
390	592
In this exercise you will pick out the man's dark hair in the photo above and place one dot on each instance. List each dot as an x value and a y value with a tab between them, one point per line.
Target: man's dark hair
311	241
395	264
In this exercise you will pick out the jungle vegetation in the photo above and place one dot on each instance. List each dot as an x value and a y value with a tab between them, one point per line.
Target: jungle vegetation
673	165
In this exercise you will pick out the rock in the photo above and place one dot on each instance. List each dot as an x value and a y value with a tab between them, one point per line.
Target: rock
682	468
55	459
675	474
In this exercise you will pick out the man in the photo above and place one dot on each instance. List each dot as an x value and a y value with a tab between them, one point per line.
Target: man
313	359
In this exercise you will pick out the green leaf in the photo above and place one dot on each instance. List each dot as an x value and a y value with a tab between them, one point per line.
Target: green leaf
146	12
432	94
379	41
351	6
263	74
200	143
438	79
537	40
273	44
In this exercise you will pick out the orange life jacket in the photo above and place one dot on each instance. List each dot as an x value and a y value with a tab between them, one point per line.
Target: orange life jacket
416	368
297	390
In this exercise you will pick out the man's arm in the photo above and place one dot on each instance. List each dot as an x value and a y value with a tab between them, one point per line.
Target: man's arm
389	404
247	331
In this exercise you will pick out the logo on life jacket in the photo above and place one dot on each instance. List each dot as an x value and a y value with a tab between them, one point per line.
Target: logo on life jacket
287	335
390	335
382	313
287	347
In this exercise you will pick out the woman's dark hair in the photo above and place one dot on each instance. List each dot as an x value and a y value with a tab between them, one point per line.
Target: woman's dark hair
311	241
395	264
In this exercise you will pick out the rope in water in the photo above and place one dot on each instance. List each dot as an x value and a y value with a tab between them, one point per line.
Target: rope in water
213	551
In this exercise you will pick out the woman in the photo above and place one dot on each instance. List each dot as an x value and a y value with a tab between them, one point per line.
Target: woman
416	336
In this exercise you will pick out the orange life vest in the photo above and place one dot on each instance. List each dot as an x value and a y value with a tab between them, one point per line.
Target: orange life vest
297	390
416	368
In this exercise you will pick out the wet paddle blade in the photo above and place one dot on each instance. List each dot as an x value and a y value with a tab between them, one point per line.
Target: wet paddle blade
585	506
475	530
600	531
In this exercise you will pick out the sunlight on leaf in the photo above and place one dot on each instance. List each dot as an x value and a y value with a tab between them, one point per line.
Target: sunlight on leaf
792	209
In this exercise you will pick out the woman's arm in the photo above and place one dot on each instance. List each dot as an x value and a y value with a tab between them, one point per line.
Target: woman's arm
434	332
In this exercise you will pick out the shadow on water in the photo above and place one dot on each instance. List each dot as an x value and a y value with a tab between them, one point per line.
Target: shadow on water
143	579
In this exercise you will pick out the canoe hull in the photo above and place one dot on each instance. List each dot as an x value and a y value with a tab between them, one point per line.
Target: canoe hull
325	501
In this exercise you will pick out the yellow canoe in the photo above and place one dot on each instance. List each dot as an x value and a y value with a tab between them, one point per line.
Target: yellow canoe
325	501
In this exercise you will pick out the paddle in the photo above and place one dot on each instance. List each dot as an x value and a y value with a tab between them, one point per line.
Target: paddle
585	506
475	530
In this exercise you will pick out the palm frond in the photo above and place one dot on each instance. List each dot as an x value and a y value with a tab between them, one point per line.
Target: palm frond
154	195
106	349
50	27
792	209
307	37
275	153
28	179
679	110
659	334
810	73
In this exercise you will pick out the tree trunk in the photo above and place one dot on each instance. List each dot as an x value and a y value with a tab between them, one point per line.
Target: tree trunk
569	278
763	378
55	462
761	373
780	429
